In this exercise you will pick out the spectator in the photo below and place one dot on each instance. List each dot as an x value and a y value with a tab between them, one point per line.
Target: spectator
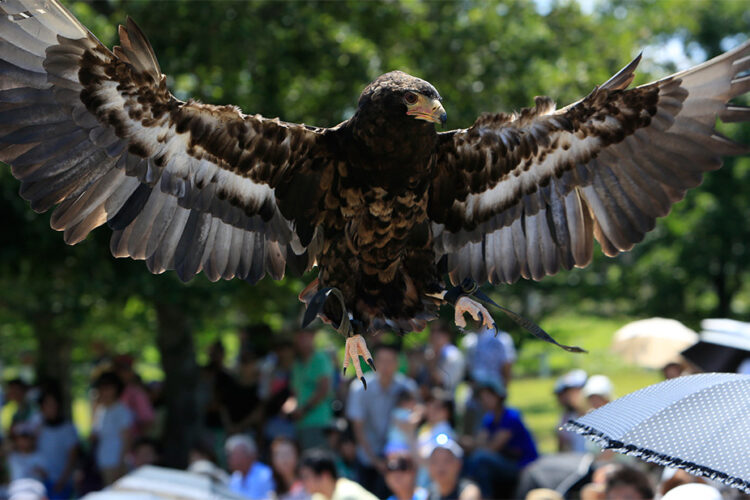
145	451
445	360
58	445
675	369
134	396
401	477
505	444
491	354
275	390
215	391
111	427
242	404
341	441
369	413
284	463
598	391
311	383
250	478
318	473
24	461
694	491
445	460
26	411
568	391
627	483
438	418
404	419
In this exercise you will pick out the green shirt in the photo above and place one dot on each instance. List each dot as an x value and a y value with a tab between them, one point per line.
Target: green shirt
305	376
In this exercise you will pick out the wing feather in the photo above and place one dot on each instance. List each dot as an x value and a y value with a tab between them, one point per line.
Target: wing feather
183	185
532	190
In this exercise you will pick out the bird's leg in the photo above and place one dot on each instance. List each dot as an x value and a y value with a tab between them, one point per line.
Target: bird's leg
354	348
477	311
355	343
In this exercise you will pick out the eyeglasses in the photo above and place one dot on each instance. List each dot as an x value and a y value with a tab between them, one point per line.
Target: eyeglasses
401	464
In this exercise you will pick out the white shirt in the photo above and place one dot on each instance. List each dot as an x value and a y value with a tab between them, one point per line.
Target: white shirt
54	444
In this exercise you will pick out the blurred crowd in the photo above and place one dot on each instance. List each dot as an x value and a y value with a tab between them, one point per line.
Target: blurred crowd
433	423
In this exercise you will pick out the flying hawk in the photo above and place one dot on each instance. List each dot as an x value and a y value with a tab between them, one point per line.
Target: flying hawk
383	204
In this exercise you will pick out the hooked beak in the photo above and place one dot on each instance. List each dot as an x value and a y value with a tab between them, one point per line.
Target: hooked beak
430	110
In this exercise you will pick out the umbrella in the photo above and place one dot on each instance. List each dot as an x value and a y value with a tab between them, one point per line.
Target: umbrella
653	342
724	344
698	423
159	483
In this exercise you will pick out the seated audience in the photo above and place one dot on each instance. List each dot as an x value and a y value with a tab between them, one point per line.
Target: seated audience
145	451
444	463
568	391
318	473
311	382
504	444
404	419
284	464
401	477
628	483
446	361
24	461
598	391
250	478
58	445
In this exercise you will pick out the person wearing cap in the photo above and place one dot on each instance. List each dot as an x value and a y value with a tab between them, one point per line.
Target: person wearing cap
250	478
444	463
401	476
505	445
598	391
568	391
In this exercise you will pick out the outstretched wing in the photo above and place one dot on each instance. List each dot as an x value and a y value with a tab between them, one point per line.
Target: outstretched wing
184	185
525	194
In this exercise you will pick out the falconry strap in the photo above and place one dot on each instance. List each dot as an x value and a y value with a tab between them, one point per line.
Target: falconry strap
469	287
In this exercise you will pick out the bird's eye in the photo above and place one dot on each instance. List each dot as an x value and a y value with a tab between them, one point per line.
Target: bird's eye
410	98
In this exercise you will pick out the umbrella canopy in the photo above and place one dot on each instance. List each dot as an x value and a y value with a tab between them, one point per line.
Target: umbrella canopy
724	345
653	342
698	423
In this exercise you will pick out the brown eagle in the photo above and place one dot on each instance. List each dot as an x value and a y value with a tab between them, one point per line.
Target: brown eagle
383	204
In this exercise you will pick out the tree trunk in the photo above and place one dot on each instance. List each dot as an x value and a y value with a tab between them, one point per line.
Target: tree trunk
175	342
53	358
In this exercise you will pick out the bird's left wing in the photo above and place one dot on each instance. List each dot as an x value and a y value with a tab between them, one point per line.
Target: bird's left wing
184	185
524	195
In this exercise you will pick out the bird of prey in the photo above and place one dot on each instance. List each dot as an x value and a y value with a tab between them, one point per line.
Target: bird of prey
382	203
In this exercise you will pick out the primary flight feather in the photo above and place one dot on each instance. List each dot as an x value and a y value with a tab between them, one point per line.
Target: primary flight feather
383	204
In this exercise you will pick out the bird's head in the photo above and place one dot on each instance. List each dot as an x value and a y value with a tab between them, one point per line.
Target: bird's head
401	95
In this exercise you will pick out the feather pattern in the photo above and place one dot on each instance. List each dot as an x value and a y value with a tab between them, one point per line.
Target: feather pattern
604	167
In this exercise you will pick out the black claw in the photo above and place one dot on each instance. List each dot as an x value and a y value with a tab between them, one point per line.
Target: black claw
494	325
315	306
371	363
481	317
343	372
363	382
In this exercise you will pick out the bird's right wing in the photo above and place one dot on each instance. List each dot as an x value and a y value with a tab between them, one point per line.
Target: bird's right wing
184	185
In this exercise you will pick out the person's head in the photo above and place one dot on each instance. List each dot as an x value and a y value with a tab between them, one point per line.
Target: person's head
401	474
439	406
568	389
386	360
598	391
444	463
672	370
304	342
693	491
202	449
241	453
406	399
51	408
440	334
318	471
23	438
109	387
492	395
144	451
123	364
284	457
16	390
627	483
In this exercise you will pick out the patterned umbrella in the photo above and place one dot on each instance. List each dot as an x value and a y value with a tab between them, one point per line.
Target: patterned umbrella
700	423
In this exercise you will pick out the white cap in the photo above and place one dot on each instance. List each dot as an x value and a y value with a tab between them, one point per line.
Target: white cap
599	385
693	491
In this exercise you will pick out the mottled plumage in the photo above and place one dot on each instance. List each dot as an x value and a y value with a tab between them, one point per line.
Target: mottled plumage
382	203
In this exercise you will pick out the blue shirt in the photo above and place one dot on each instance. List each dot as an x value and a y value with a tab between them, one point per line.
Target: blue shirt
256	485
521	445
419	494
